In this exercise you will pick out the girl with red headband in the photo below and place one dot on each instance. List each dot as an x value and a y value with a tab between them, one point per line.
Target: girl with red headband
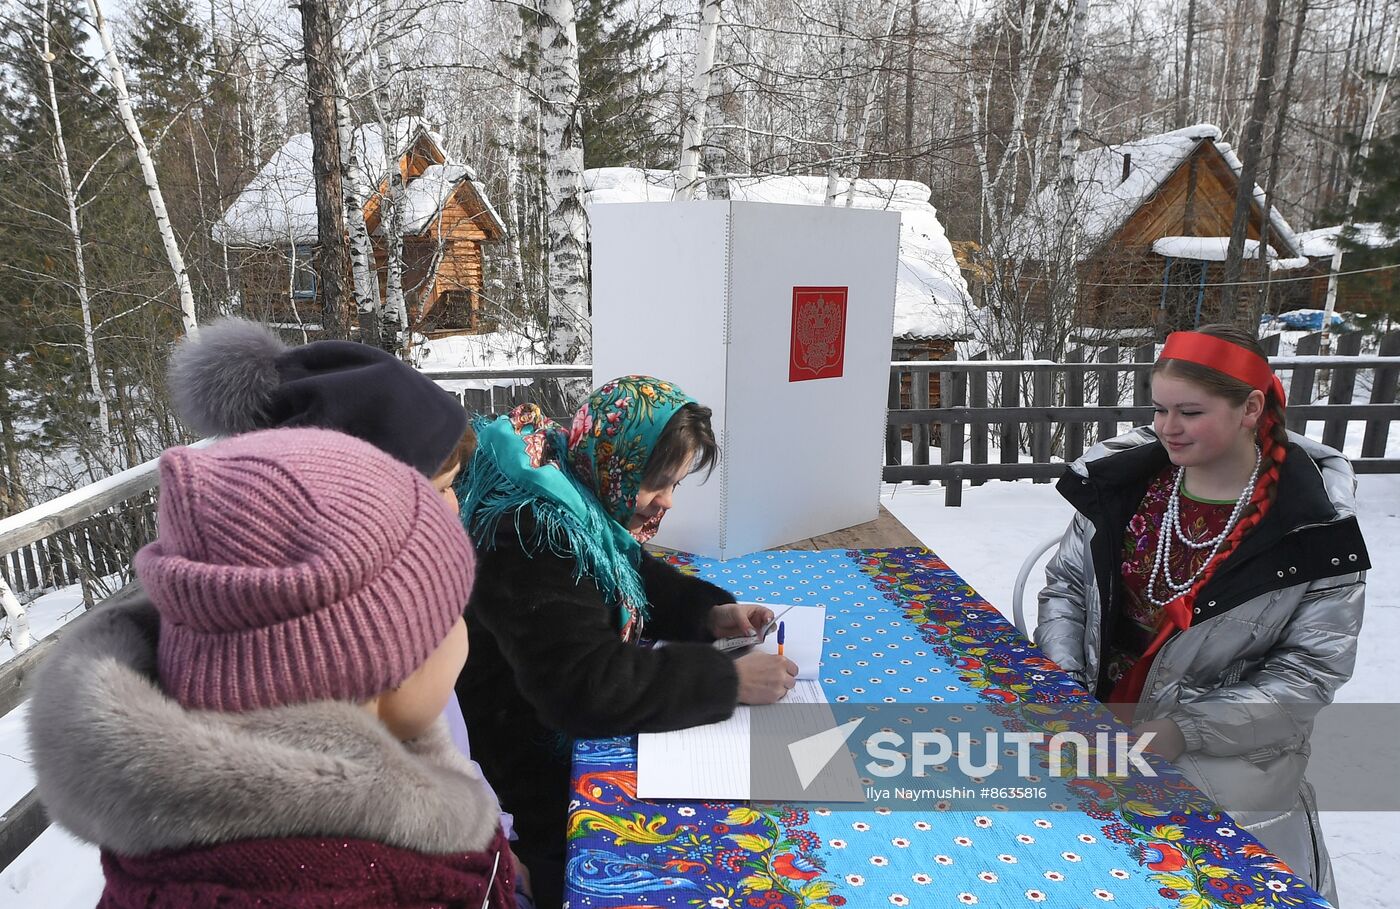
1211	586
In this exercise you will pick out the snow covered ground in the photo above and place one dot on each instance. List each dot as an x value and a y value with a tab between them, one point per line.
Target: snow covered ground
985	541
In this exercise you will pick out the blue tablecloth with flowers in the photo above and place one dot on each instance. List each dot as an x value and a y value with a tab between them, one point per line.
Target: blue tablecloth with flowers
903	627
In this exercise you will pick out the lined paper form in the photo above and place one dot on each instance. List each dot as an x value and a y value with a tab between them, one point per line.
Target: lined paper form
712	762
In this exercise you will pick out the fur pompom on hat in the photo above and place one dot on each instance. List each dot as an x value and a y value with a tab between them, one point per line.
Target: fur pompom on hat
298	565
236	376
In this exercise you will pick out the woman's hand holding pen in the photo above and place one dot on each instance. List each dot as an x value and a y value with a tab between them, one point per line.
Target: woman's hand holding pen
764	677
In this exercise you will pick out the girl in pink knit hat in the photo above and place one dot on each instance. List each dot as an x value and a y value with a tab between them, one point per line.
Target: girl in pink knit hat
266	728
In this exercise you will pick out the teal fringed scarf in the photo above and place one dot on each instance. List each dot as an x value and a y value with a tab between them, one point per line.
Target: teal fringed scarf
580	488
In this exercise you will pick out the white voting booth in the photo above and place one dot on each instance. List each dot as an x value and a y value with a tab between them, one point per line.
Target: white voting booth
779	318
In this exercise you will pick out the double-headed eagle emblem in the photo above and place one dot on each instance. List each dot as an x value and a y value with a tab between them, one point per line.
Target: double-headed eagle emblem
818	329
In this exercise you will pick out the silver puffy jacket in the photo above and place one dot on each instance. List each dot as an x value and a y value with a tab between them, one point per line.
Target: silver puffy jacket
1264	653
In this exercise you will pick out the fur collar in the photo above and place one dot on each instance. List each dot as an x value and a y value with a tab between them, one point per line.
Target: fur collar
122	765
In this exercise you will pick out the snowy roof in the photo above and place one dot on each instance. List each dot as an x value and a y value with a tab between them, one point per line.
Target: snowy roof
497	348
278	206
1215	249
1205	249
931	298
1322	242
1105	201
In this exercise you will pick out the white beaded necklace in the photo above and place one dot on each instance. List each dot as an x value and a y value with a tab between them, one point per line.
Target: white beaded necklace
1170	531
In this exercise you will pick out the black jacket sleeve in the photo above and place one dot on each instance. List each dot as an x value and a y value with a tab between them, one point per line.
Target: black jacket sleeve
558	638
680	603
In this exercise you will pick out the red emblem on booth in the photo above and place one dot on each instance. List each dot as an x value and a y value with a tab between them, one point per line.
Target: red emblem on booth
818	333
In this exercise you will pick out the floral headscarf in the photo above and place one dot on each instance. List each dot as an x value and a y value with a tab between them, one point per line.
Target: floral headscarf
613	436
581	487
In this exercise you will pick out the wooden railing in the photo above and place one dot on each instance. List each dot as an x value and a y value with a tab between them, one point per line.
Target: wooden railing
1043	409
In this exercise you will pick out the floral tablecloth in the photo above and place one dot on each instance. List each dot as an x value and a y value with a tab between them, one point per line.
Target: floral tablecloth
902	627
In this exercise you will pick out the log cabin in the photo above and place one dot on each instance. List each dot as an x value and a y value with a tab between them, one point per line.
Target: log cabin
270	230
1154	221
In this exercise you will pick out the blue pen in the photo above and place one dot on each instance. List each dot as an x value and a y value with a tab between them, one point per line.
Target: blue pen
782	635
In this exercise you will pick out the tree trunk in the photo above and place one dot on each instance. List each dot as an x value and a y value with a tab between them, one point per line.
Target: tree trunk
1377	102
838	132
871	91
1252	151
1183	96
15	498
568	313
1066	291
909	163
356	190
395	320
513	151
148	170
333	254
1280	127
693	133
75	236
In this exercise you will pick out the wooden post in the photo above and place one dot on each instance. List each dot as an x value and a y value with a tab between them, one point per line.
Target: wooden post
1142	379
892	439
918	400
1043	393
1300	387
977	391
1334	432
1108	391
1382	392
952	392
1010	432
1074	397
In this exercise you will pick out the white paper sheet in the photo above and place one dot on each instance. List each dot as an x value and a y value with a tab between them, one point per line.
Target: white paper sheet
804	634
709	762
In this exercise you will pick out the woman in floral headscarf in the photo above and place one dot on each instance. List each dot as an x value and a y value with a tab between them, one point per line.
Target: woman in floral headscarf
564	591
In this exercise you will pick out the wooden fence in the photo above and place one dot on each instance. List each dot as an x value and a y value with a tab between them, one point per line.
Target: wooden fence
1042	414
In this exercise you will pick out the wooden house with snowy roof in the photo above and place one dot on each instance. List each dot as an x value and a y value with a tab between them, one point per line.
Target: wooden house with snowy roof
447	218
1153	220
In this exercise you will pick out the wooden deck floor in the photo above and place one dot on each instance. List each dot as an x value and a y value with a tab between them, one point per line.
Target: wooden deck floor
885	532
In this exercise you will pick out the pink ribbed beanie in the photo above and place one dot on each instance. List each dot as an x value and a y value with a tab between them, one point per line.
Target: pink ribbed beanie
299	565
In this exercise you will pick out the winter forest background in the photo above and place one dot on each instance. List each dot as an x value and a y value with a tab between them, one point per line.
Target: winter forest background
981	100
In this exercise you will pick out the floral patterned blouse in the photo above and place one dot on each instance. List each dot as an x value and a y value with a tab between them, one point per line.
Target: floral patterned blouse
1200	519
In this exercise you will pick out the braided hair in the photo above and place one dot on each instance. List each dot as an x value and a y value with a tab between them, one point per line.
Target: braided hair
1272	434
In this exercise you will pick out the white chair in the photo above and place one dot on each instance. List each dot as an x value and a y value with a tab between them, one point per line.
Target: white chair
1018	609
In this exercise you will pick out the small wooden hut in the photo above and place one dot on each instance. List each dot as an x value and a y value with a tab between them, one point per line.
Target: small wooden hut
271	231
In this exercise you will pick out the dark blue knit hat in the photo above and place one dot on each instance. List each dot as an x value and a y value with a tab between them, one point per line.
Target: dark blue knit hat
235	376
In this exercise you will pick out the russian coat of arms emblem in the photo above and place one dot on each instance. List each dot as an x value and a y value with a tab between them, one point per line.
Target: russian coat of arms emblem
818	333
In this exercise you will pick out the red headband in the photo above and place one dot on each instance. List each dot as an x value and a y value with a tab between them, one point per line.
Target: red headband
1224	357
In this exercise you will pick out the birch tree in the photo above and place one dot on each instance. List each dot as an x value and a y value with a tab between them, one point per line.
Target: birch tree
838	132
567	316
1367	133
70	198
117	78
355	188
693	133
872	91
